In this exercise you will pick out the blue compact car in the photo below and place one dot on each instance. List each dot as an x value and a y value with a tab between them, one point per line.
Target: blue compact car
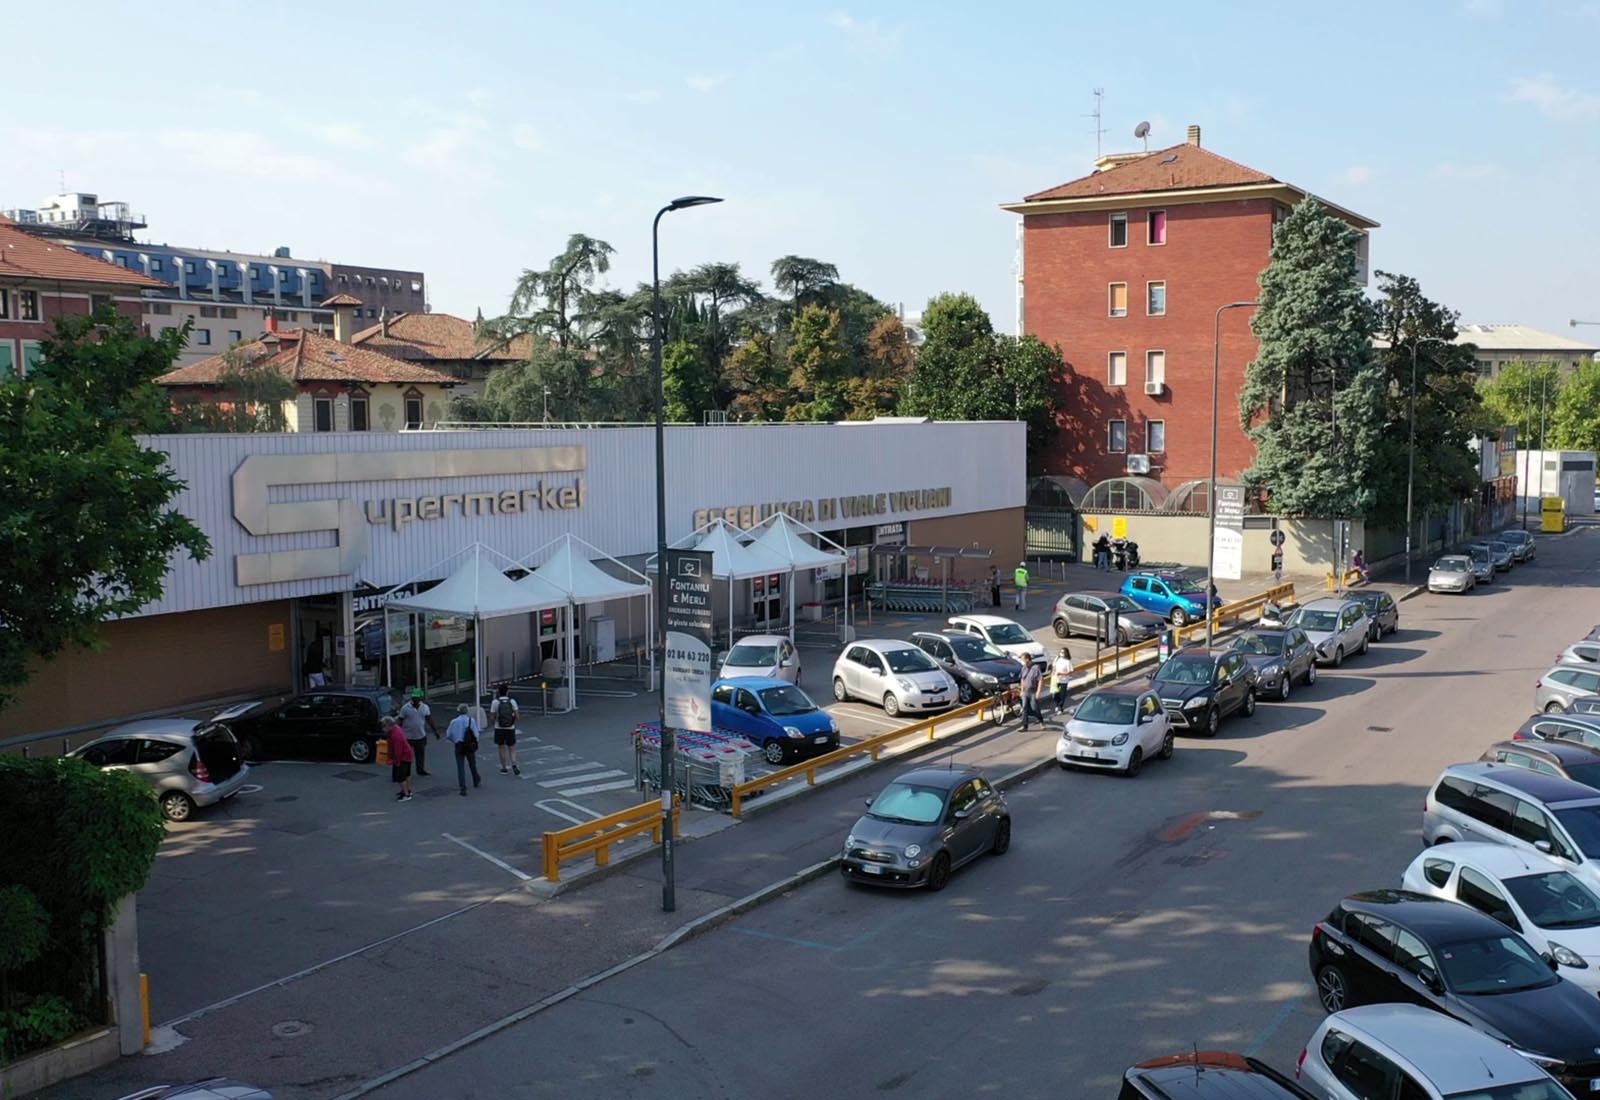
1170	595
776	715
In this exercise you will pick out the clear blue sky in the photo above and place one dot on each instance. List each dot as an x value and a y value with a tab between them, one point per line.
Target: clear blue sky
469	139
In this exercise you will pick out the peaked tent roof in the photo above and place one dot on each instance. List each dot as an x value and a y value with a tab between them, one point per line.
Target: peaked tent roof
570	570
480	589
782	538
730	559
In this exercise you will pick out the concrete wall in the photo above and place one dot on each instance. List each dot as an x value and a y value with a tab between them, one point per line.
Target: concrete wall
1307	548
1003	532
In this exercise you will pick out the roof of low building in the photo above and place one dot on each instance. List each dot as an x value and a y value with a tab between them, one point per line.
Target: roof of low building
1177	168
304	356
24	256
439	336
1518	338
341	300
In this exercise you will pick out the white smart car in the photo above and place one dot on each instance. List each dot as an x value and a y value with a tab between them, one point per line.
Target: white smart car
1007	636
1116	729
1530	893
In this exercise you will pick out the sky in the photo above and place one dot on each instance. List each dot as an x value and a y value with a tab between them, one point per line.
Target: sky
469	139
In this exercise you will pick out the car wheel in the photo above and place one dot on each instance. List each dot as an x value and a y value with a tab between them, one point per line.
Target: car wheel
1213	722
1554	707
1332	990
361	750
1311	672
773	751
1002	837
1180	617
839	692
177	806
1167	742
891	705
1366	643
1284	687
1135	763
1060	627
1438	840
1248	707
1338	657
939	873
965	693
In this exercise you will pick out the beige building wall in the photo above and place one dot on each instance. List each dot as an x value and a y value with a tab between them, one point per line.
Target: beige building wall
1002	531
386	407
1307	547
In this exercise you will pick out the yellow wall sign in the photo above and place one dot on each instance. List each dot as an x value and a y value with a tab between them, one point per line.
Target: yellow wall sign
275	639
1119	527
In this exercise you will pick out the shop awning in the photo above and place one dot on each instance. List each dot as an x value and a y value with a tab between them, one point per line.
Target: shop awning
731	559
570	569
479	589
893	550
782	537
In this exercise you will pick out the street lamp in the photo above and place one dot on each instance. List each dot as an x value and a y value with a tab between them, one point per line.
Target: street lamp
547	404
668	746
1411	450
1211	499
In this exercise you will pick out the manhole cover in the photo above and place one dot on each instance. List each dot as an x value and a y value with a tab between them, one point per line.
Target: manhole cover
1380	729
354	776
290	1029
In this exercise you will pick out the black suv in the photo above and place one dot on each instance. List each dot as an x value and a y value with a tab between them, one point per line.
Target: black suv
1572	760
1207	1075
977	667
325	721
1198	686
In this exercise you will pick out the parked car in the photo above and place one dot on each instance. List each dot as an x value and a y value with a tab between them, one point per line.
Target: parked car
1483	567
775	714
924	825
1409	1052
1501	552
1200	686
1116	728
1560	688
1393	945
325	721
1521	542
1580	653
1519	807
212	1088
1279	658
1173	596
977	667
1452	573
1381	609
770	655
895	674
1089	614
1532	894
1005	635
1208	1075
1336	625
1583	728
187	763
1569	759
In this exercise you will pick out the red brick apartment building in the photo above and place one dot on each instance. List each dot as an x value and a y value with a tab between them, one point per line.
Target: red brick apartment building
1124	269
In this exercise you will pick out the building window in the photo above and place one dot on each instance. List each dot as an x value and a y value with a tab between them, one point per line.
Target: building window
159	309
1157	223
413	409
5	305
188	265
208	311
28	305
228	311
155	264
202	336
97	302
322	413
1119	231
1119	299
1155	299
358	411
235	335
32	355
1117	436
8	358
1117	369
372	312
1155	367
1155	437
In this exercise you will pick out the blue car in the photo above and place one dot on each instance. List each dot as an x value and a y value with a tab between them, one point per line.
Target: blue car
1173	596
776	715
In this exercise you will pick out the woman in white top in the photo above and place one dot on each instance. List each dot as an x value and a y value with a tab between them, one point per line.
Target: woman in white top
1060	674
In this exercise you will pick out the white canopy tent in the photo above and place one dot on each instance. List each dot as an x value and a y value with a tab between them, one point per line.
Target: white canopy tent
782	538
570	571
479	589
731	560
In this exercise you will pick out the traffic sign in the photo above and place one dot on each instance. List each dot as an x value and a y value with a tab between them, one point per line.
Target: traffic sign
1277	538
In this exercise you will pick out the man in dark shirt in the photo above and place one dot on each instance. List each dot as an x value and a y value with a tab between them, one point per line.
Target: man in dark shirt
1032	684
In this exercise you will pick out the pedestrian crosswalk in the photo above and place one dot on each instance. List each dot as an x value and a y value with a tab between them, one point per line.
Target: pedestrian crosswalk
566	773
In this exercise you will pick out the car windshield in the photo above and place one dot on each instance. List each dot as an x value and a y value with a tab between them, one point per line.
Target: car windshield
1186	670
909	660
1499	548
908	803
1555	899
969	648
1451	565
1317	620
1110	710
1122	603
1494	964
1542	1089
1515	536
1479	553
753	656
1583	825
787	699
1009	634
1252	642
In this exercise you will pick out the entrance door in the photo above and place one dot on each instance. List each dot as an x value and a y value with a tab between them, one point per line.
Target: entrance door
766	600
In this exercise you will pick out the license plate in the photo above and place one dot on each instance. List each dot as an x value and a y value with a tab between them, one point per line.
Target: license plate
872	868
822	740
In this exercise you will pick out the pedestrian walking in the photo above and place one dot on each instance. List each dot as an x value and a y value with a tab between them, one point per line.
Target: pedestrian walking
1102	553
463	734
1020	577
1060	679
416	718
313	666
1031	688
505	729
994	586
400	756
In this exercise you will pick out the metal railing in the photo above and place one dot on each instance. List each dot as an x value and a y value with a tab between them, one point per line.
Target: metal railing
1127	656
599	835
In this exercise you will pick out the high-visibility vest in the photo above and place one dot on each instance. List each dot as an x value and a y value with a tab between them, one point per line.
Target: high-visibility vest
1021	577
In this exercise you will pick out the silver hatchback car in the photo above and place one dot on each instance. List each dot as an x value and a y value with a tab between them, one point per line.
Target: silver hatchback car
1337	627
1560	688
188	763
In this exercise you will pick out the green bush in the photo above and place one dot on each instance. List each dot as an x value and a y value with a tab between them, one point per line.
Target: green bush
37	1023
24	928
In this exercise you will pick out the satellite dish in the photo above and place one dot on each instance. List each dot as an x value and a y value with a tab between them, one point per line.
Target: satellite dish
1142	130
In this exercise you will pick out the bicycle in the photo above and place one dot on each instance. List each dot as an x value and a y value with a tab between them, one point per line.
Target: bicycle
1005	703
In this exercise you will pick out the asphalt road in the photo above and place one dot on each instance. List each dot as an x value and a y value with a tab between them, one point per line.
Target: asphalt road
1130	919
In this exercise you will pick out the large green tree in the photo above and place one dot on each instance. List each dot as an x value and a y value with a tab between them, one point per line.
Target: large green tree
251	397
1312	398
1576	424
820	366
555	302
688	382
86	519
1524	396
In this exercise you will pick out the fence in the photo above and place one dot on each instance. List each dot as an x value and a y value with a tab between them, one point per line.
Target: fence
599	835
1280	594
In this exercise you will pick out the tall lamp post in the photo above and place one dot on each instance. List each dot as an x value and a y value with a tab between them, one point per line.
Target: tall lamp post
1411	450
1211	498
668	741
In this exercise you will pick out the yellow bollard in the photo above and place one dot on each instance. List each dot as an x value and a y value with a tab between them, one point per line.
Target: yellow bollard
144	999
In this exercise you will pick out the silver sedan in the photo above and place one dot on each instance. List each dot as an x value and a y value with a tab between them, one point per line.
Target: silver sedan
1452	573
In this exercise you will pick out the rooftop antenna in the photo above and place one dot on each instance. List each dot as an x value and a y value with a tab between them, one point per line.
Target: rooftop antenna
1143	131
1099	130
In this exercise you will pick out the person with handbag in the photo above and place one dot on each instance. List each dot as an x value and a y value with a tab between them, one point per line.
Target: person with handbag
400	757
1060	679
463	734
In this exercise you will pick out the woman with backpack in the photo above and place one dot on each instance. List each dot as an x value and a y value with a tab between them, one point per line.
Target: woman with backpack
504	708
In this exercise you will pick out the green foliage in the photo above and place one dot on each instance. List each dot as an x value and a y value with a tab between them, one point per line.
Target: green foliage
1522	395
516	392
550	303
1576	424
1311	400
37	1023
251	398
24	927
820	365
688	384
758	380
87	529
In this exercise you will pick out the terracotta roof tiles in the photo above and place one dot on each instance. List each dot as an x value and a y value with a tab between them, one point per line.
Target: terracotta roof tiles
304	356
24	256
439	336
1178	168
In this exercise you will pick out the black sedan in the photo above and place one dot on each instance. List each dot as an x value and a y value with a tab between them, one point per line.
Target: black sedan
325	721
1198	686
1393	945
977	667
1279	657
1381	609
924	825
1572	760
1207	1075
1582	727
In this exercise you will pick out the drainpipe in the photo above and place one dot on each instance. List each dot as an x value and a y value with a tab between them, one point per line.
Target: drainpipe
216	280
277	284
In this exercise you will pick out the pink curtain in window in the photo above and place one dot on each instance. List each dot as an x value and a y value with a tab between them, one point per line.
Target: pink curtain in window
1158	227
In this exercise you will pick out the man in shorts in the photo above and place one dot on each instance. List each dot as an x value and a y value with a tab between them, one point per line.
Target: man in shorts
505	711
417	720
400	757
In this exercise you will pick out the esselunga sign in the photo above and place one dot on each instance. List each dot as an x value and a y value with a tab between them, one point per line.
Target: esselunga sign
830	509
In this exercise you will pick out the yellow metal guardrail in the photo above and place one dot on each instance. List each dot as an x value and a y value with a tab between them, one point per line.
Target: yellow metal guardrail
599	835
1279	594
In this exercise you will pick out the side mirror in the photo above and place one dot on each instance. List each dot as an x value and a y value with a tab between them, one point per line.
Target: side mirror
1430	978
962	815
1550	960
868	802
1544	846
1151	675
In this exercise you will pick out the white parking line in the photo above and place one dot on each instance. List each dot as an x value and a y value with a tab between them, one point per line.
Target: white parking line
565	768
611	774
549	804
497	861
598	787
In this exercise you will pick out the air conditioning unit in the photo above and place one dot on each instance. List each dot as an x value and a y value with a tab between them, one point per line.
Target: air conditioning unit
1155	389
1138	464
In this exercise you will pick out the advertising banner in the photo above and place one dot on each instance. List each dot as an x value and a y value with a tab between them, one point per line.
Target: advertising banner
687	665
397	633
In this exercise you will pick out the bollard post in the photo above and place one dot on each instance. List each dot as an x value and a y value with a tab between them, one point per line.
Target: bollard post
544	699
66	746
24	752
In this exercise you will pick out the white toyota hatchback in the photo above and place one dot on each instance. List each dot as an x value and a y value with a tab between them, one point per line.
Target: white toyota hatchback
896	675
1116	729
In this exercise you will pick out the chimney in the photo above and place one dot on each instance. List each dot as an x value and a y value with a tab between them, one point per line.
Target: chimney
1194	136
272	321
383	319
343	323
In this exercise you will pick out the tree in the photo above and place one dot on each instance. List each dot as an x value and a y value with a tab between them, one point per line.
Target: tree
1524	396
554	303
687	382
804	280
1029	371
251	398
758	379
1576	424
887	364
819	364
1311	399
87	526
558	377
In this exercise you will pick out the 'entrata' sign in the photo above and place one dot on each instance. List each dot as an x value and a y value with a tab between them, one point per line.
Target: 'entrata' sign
830	509
686	665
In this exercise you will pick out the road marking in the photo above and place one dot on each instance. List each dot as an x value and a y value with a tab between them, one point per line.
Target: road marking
496	860
598	787
548	807
869	718
610	774
568	768
760	935
1279	1018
